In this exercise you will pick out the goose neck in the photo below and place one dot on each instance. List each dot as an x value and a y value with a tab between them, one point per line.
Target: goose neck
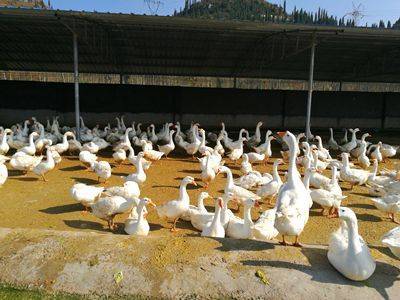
183	194
275	173
247	216
217	216
354	241
229	177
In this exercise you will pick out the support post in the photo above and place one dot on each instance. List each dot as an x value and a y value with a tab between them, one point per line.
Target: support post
76	85
310	88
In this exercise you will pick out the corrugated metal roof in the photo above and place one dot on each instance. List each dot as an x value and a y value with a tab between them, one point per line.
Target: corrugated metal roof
41	40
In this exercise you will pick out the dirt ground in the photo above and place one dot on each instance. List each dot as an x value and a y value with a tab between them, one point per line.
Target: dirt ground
28	202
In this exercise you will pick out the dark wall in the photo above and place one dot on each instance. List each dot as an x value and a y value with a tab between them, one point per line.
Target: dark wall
140	99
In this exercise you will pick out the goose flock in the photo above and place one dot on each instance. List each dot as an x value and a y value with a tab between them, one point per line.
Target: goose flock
38	148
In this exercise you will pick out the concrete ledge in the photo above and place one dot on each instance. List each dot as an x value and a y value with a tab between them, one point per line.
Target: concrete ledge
181	267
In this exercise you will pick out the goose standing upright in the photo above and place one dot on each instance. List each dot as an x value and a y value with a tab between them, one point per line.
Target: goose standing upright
3	170
136	223
353	142
140	176
271	189
174	209
4	147
31	148
332	144
168	148
348	252
45	166
292	206
215	228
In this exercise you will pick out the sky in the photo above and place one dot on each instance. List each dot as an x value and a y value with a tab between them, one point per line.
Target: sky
374	10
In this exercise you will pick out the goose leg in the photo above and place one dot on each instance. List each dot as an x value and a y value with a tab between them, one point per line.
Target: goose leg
284	243
296	242
173	229
44	178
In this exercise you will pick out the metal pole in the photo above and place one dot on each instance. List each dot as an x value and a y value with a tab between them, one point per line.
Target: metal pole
310	89
76	84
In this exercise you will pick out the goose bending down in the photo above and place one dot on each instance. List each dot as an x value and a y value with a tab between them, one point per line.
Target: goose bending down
136	223
175	209
24	162
325	198
255	157
31	148
238	193
102	170
119	155
352	176
246	166
242	228
332	144
168	148
107	208
130	189
153	155
271	189
389	204
353	142
253	179
263	228
140	176
292	205
215	228
392	240
45	166
348	252
87	158
91	147
3	170
85	194
4	147
199	209
388	151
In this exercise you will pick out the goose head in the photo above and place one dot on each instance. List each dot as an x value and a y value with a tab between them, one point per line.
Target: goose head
223	169
251	203
202	196
347	215
189	180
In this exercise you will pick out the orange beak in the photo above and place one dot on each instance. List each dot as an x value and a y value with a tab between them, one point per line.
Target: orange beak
152	203
281	133
194	183
220	202
256	204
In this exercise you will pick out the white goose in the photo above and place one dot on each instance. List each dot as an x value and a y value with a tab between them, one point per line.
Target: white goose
389	204
140	176
203	148
168	148
102	170
87	158
4	147
322	152
24	162
132	158
266	146
255	157
136	223
45	166
381	180
218	146
237	150
63	147
153	155
238	193
348	252
253	179
356	152
85	194
363	159
91	147
107	208
242	228
353	142
352	176
207	172
130	189
376	154
175	209
388	151
263	228
271	189
246	166
199	209
292	205
3	170
119	156
332	144
392	240
30	149
215	228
